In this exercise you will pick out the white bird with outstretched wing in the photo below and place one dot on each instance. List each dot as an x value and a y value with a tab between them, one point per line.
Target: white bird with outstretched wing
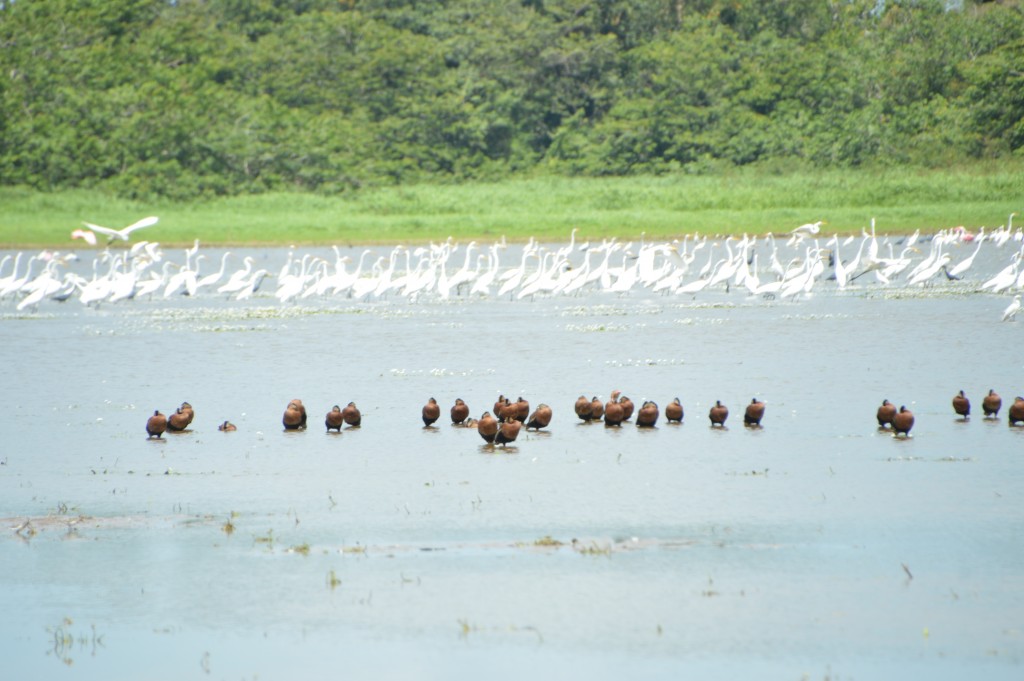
122	234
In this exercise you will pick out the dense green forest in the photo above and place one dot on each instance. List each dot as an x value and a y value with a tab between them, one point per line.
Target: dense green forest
191	98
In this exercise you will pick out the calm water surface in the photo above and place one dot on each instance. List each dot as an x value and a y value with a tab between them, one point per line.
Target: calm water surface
816	547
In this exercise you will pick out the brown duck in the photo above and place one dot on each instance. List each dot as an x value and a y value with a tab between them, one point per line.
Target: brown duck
431	412
962	405
583	408
1016	411
507	432
992	404
885	414
674	411
487	426
627	408
596	409
294	416
903	421
718	414
352	415
540	418
613	412
509	412
647	415
499	407
522	409
460	411
334	419
156	425
227	427
182	416
754	413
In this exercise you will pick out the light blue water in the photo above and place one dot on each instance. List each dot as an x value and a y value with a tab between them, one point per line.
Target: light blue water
816	547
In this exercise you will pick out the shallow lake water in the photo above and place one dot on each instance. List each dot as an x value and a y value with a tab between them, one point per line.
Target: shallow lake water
815	547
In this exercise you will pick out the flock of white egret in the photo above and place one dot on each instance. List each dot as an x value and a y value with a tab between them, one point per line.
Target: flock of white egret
763	266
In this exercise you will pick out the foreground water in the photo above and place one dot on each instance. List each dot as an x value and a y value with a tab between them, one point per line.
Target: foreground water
816	547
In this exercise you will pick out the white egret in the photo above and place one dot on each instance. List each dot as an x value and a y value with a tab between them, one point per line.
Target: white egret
120	234
237	281
964	264
1005	278
1012	309
212	279
253	284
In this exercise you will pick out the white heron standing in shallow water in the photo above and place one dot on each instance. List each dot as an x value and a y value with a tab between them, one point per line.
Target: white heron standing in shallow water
1012	309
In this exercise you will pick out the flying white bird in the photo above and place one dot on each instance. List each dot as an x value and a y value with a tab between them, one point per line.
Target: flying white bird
124	233
809	228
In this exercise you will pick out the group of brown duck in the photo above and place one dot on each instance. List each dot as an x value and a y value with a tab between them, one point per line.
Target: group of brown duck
503	424
500	427
508	418
179	420
901	420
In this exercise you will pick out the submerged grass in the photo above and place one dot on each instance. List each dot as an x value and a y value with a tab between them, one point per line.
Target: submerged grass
548	208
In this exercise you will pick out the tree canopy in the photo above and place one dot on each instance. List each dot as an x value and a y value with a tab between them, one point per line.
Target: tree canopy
191	98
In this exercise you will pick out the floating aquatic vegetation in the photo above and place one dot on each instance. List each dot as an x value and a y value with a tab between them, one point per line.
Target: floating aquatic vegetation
267	539
645	362
816	317
591	549
609	310
357	550
761	474
690	321
596	328
440	372
547	540
65	641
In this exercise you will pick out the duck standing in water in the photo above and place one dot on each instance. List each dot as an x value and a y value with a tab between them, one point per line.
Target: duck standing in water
540	418
718	414
294	416
460	411
351	414
754	413
902	422
499	407
596	409
674	411
182	416
885	414
509	412
487	426
992	404
507	432
431	412
156	425
627	408
522	409
1016	411
648	415
613	412
962	405
227	427
583	409
334	419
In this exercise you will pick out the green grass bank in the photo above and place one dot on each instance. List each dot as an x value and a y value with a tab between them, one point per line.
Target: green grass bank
548	208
